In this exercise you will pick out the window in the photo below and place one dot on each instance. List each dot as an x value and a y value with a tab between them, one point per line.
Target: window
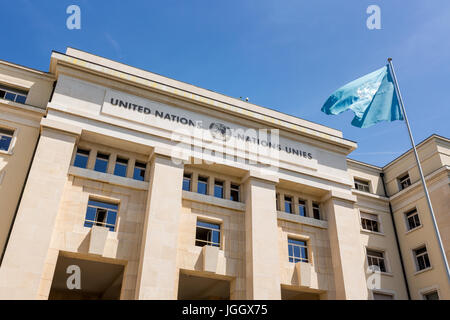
101	163
202	185
234	192
121	167
187	178
362	185
369	222
297	250
207	234
412	219
81	158
422	259
375	260
101	214
287	204
139	171
382	296
404	181
12	94
302	208
316	211
432	295
5	138
218	189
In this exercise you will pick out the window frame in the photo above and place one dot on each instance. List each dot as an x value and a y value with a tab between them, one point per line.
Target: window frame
6	131
205	182
238	190
412	213
16	92
81	154
363	183
416	260
403	178
290	202
369	217
142	166
221	184
305	206
208	242
306	246
186	178
316	205
102	156
383	258
105	223
119	161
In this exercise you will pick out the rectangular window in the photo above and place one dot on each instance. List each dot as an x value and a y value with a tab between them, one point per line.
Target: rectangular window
202	185
297	250
101	214
422	259
12	94
375	260
187	178
412	219
121	167
316	211
432	295
369	222
218	189
234	192
362	185
302	208
81	158
139	171
382	296
5	138
404	181
207	234
287	204
101	162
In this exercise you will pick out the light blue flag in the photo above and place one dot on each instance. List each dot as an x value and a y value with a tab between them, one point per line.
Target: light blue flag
372	98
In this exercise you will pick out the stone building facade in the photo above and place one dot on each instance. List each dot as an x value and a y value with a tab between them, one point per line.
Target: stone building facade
145	187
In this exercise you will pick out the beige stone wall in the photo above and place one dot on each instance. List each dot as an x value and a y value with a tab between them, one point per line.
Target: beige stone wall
24	120
231	258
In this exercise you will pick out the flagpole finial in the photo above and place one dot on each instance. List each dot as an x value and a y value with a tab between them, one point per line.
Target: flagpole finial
389	59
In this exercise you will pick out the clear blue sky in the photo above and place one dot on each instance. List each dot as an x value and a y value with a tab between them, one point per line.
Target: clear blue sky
287	55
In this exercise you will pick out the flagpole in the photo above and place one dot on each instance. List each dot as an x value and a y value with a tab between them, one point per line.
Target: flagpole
427	196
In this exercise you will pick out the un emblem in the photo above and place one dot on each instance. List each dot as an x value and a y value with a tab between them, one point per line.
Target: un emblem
220	131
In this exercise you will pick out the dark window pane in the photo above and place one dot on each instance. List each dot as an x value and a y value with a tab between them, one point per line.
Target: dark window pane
101	165
90	213
5	142
186	184
111	218
21	99
10	96
202	187
139	174
120	170
234	195
81	161
218	191
2	94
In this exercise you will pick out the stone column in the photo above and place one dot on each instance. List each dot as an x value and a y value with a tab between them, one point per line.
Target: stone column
261	239
346	252
157	274
23	264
